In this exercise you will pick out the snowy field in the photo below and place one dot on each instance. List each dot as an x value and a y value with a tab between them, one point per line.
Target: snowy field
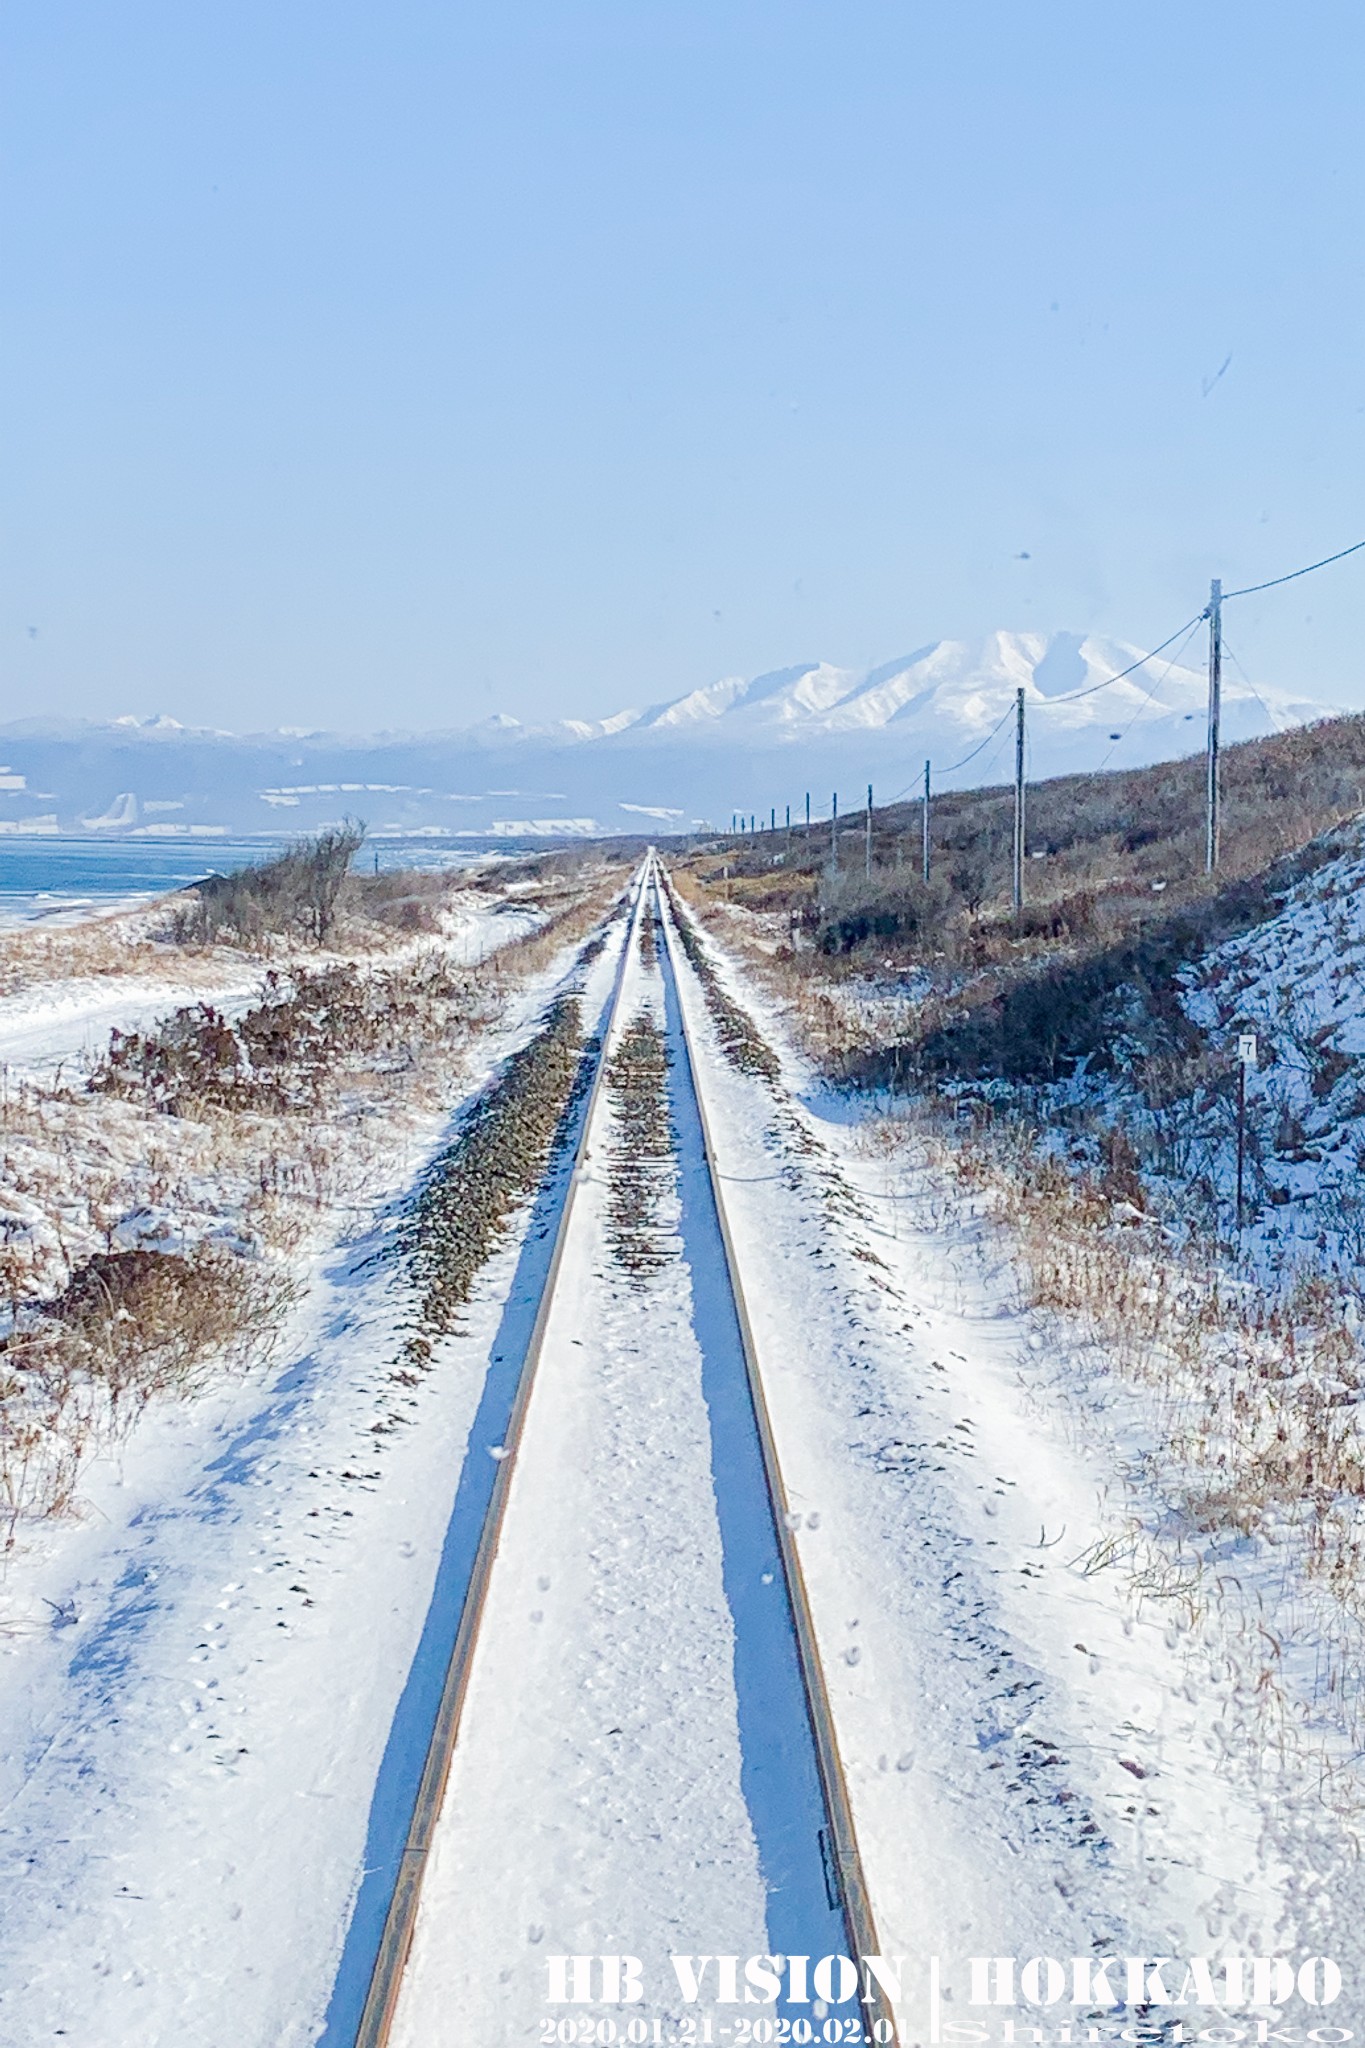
217	1673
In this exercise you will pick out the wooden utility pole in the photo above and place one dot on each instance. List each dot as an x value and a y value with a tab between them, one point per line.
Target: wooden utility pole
867	849
834	832
1215	616
925	846
808	814
1019	802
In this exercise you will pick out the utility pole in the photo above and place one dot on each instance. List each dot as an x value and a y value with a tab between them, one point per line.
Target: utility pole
834	832
867	851
925	848
789	831
772	819
1019	802
1215	617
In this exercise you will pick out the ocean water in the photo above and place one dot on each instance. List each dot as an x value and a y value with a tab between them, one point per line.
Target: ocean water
63	881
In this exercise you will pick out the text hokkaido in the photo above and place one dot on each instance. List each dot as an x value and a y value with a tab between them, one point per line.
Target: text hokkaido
1229	1982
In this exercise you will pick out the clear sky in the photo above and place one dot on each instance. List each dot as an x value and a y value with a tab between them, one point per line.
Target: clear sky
389	364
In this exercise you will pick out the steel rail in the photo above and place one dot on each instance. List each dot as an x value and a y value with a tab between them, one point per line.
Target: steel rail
400	1923
854	1897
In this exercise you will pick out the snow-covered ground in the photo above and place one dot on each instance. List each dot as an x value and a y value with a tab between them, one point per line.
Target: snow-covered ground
216	1680
1077	1768
61	1022
595	1804
1297	981
200	1672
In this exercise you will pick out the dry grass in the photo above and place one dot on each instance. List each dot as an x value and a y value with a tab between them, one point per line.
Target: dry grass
1247	1504
146	1218
119	945
571	904
127	1327
1251	1400
282	1055
1117	902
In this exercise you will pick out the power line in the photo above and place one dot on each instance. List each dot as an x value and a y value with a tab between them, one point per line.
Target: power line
1275	726
1008	712
1181	633
1045	703
1275	581
1150	698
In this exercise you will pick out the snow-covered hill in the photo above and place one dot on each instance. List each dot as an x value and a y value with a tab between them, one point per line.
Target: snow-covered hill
733	745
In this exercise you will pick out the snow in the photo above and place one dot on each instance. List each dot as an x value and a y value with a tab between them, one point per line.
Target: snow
63	1022
215	1685
1086	1765
200	1674
1297	980
618	1842
735	743
606	1659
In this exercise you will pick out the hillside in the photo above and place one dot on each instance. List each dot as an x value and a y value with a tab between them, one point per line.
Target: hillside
1116	897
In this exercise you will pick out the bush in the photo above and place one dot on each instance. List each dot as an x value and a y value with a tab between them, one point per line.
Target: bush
146	1322
283	1052
852	910
295	895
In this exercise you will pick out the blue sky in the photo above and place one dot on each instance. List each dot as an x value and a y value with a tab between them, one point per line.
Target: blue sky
388	365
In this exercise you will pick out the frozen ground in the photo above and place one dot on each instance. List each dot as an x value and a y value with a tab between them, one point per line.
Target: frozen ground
203	1678
199	1675
1040	1762
60	1023
595	1803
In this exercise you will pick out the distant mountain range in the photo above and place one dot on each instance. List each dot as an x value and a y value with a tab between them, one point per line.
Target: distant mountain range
731	746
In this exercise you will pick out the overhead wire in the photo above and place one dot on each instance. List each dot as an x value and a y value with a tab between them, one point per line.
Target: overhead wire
1294	574
1045	703
1150	697
1007	713
1073	696
1182	633
1275	726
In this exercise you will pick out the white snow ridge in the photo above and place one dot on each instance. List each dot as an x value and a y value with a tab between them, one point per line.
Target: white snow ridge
738	744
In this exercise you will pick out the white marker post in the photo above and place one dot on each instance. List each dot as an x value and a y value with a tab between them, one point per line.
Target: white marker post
1246	1057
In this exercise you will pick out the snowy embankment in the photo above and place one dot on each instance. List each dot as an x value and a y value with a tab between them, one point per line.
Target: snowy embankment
1048	1752
1298	982
203	1673
56	1018
199	1664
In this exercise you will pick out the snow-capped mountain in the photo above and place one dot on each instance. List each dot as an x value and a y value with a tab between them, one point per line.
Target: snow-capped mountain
738	744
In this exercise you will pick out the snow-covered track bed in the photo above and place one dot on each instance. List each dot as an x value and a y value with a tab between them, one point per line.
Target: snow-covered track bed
634	1751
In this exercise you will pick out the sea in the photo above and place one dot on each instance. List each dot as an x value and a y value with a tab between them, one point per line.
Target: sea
64	881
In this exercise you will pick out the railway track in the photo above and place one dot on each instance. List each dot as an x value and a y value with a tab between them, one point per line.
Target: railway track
793	1777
